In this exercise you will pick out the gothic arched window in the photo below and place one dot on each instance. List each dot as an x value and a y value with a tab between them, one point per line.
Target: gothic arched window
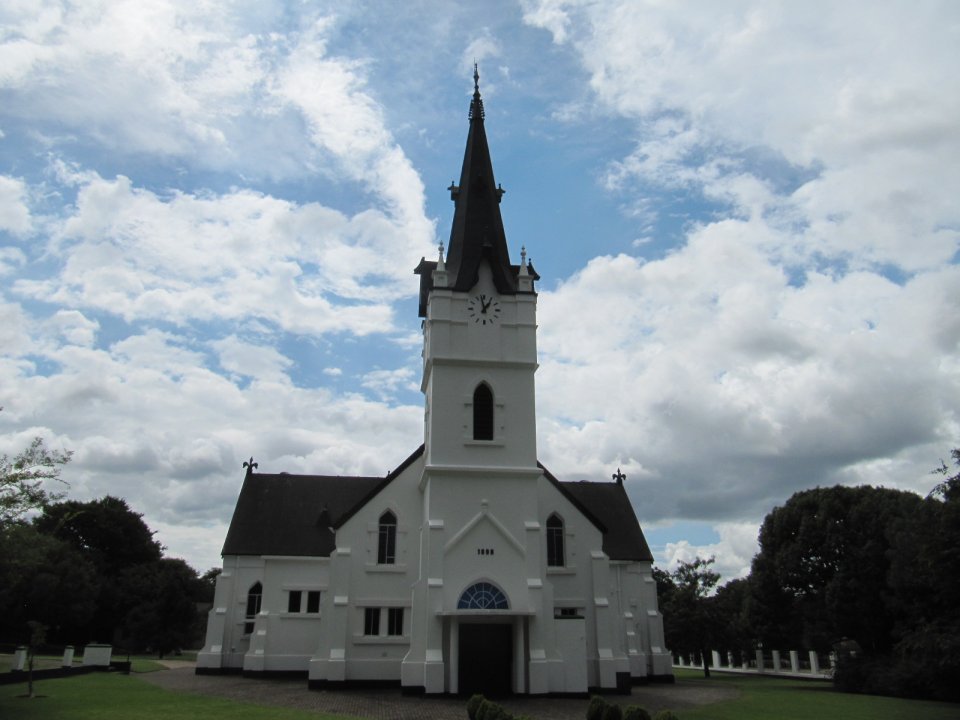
483	596
555	556
387	539
254	601
483	413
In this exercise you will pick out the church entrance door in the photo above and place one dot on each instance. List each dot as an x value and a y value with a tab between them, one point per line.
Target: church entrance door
486	659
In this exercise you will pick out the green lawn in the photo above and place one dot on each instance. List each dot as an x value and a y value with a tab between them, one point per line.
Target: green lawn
766	698
111	696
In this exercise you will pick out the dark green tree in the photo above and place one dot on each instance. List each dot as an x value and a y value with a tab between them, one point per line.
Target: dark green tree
924	580
821	573
44	580
114	539
689	612
163	599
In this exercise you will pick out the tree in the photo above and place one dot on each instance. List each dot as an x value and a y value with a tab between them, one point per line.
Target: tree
45	580
924	582
163	599
23	480
821	573
113	538
688	611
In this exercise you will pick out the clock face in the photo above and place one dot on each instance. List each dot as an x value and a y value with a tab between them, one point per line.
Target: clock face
484	309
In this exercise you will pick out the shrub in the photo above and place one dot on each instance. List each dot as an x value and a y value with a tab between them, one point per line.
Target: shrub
485	710
596	707
612	712
635	712
473	704
666	715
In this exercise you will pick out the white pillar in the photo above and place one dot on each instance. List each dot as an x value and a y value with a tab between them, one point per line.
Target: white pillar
19	658
729	659
68	656
759	661
716	658
814	663
776	661
794	661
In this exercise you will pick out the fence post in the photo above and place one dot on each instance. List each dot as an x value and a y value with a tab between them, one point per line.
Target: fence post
760	661
68	656
794	661
716	658
19	658
814	663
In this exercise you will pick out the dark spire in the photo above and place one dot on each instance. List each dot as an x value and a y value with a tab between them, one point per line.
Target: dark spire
477	231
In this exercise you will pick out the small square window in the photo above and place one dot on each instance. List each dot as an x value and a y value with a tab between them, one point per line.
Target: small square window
313	601
395	621
293	601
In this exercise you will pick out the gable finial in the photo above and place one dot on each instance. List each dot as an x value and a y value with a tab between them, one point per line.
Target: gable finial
250	465
619	477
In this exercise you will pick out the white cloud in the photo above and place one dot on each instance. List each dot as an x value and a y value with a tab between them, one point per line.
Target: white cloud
181	257
14	212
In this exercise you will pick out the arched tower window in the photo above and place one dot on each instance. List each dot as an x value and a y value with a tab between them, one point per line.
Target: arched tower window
483	412
254	601
483	596
555	555
387	539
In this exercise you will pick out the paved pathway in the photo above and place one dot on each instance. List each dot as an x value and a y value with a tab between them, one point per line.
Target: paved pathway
390	704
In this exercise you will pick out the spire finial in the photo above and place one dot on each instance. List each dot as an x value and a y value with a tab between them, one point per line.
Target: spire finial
440	248
250	465
619	477
476	105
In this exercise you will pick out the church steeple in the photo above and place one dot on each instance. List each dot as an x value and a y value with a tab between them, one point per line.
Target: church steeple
477	233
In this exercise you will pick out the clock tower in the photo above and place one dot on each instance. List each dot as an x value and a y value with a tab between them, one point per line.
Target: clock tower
480	346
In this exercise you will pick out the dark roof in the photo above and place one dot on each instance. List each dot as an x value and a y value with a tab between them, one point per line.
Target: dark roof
608	502
287	514
477	232
297	515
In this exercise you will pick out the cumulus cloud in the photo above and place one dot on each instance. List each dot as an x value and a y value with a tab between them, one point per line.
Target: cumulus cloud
180	257
806	334
14	212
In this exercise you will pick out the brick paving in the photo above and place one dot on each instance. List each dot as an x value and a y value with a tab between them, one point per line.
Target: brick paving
390	704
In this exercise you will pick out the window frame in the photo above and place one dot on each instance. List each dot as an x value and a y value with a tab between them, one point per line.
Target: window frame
254	605
556	542
387	539
371	622
484	429
395	622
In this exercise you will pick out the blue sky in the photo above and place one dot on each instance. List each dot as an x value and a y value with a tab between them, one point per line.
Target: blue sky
744	215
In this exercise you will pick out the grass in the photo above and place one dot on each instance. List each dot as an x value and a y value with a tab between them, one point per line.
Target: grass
110	696
762	698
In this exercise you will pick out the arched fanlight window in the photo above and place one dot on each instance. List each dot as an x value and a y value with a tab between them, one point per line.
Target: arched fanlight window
483	596
387	539
555	556
254	601
483	413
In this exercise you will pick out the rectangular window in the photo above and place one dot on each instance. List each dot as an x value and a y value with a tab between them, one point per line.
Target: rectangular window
395	621
293	601
313	601
567	613
371	621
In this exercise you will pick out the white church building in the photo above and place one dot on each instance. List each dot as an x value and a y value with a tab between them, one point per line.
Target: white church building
470	567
